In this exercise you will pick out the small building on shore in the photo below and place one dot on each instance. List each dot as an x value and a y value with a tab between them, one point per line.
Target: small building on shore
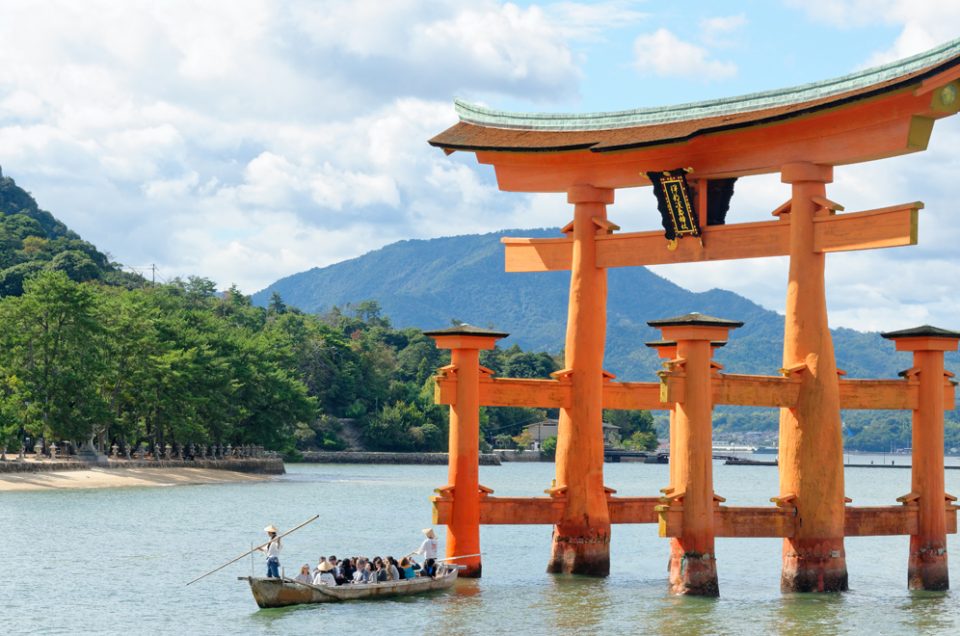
545	429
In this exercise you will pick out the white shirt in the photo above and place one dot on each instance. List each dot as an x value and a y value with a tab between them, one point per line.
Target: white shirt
324	578
428	549
272	549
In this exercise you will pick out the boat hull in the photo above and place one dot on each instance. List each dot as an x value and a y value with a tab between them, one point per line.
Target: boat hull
271	592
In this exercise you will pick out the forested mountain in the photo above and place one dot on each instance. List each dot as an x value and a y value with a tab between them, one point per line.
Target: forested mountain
32	240
428	283
89	351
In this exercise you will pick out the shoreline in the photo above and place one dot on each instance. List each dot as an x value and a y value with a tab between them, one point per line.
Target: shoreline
97	477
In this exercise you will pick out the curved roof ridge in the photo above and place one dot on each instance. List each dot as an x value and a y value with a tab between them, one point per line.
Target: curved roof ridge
482	116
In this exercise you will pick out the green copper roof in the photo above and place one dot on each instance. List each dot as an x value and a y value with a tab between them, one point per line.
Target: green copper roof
479	115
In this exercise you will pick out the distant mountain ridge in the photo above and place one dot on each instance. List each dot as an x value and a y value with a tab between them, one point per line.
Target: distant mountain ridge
428	283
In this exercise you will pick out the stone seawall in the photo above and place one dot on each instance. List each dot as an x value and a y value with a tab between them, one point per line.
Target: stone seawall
257	465
363	457
521	456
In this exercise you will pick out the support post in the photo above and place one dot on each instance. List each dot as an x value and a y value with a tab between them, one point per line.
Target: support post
811	444
927	567
667	350
463	483
581	540
693	566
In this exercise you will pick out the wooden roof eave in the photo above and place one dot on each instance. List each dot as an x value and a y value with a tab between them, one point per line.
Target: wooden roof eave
887	125
891	118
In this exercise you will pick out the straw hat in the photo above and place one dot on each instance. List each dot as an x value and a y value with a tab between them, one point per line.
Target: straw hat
326	566
272	529
429	533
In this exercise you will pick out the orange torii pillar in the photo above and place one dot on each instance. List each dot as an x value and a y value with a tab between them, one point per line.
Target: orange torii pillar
667	350
811	443
581	539
463	483
927	569
693	563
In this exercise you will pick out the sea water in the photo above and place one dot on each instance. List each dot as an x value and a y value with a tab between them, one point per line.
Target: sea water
116	561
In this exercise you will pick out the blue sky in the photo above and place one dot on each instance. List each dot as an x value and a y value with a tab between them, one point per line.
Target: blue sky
249	140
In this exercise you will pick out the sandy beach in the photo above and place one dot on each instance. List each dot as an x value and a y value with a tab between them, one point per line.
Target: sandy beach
121	478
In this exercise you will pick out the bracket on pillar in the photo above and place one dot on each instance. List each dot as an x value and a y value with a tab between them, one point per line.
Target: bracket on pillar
831	206
556	492
782	210
788	500
604	226
794	370
909	499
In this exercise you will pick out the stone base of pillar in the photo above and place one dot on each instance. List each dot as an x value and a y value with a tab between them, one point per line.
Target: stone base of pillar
692	573
580	551
814	565
927	569
470	571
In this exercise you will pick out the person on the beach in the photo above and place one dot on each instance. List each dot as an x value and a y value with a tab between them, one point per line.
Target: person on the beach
429	551
272	550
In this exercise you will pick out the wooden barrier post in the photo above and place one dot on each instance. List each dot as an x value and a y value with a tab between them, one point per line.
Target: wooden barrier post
667	350
581	540
463	485
927	568
811	443
693	565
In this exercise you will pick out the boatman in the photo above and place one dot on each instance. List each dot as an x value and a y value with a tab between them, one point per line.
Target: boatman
429	551
272	550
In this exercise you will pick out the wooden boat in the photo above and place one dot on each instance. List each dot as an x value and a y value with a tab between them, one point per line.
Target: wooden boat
283	592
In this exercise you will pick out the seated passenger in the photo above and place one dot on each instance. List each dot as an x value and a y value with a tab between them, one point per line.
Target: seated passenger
393	572
346	571
304	576
320	562
400	574
380	570
361	574
406	567
325	575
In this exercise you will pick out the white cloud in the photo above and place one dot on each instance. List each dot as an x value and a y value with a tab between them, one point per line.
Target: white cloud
718	31
591	21
664	54
249	140
438	47
923	24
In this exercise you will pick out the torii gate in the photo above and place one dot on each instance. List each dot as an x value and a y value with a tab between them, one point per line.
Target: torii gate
801	133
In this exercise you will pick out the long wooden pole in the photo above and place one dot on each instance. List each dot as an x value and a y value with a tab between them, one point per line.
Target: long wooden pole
263	545
454	558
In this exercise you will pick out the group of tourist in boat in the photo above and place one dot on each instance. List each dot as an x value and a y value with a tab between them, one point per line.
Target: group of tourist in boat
356	570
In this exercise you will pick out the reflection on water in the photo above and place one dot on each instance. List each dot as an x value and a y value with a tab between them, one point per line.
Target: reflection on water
685	615
929	612
577	603
802	614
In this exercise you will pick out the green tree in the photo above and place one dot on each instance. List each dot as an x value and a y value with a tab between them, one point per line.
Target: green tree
51	347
